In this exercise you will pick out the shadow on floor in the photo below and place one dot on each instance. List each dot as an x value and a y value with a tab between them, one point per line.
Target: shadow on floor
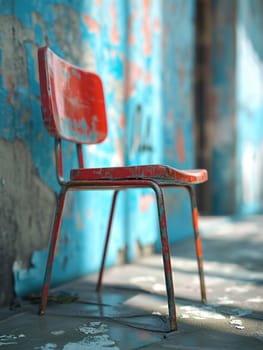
130	313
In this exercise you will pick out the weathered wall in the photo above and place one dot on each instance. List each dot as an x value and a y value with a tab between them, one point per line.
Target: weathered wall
143	116
28	178
222	123
249	82
101	36
232	79
178	109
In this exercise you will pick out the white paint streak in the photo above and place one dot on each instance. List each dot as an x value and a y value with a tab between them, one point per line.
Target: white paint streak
57	332
236	322
10	339
7	339
156	313
96	338
158	287
97	342
91	330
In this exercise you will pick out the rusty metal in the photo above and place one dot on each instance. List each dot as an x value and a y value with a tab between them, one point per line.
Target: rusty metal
52	249
98	287
198	244
73	109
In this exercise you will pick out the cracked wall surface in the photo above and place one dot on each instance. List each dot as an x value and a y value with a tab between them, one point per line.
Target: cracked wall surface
26	210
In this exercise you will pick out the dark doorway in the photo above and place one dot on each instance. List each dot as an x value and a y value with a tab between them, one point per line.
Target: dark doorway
201	92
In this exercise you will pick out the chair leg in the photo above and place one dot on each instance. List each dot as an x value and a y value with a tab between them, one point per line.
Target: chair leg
198	244
52	249
98	287
166	257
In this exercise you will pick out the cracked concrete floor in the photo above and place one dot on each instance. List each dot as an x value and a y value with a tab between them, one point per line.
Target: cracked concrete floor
130	311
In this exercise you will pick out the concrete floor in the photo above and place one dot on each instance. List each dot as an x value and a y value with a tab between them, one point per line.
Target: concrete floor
130	312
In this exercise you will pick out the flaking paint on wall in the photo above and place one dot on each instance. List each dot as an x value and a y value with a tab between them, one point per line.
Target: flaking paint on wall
82	32
143	114
233	130
22	216
177	85
19	88
249	193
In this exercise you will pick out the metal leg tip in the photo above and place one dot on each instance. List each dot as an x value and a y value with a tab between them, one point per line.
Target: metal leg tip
173	325
41	312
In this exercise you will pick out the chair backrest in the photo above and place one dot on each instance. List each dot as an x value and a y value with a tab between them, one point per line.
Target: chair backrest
72	99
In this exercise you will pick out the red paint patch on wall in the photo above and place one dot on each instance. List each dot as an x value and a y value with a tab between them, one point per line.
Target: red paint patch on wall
180	145
134	73
157	25
115	36
146	28
92	25
122	121
145	201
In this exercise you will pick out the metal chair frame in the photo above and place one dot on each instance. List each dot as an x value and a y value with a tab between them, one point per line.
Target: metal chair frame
116	179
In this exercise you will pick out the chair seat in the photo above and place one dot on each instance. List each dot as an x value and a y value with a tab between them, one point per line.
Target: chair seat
156	171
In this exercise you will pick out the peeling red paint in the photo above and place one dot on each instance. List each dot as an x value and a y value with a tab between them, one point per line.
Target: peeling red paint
78	110
146	28
195	218
198	247
180	145
145	202
115	36
157	25
134	73
122	121
92	24
157	171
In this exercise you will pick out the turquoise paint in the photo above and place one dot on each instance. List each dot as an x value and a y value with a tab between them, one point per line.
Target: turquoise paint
177	99
249	194
143	108
156	95
237	81
79	250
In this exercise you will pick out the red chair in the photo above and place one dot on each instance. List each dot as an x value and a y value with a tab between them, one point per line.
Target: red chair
73	109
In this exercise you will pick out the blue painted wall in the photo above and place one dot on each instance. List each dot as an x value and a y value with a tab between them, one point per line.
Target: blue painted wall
249	196
234	125
178	109
148	94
